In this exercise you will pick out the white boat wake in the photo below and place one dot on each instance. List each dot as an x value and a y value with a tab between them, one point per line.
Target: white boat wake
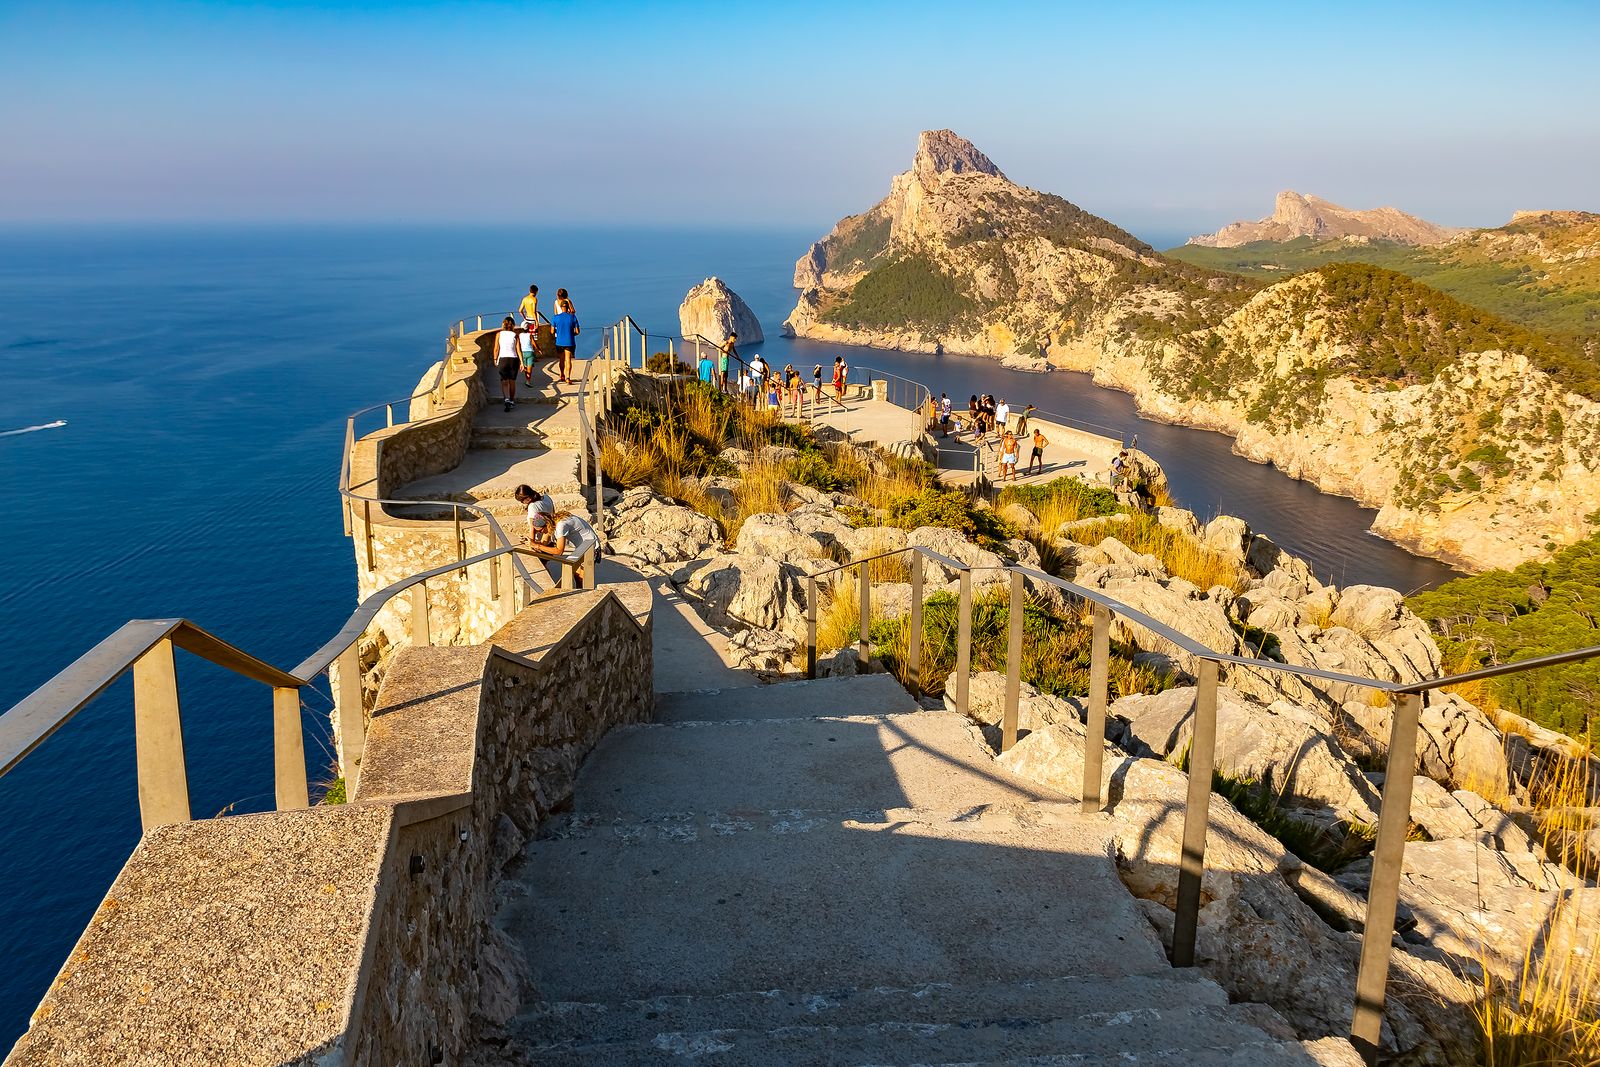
34	429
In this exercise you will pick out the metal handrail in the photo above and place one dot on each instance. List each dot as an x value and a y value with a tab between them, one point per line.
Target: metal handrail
145	646
1394	808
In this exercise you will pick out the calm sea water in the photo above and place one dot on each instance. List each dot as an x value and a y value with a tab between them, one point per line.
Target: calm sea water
203	376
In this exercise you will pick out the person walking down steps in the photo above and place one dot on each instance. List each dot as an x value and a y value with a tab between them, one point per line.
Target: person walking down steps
565	325
508	360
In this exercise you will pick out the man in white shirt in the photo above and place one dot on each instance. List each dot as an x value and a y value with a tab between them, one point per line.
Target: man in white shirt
1001	414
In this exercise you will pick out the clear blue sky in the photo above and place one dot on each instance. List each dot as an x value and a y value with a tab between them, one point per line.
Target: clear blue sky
1160	116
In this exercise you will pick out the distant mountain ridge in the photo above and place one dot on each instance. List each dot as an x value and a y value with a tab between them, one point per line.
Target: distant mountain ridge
1301	215
1477	440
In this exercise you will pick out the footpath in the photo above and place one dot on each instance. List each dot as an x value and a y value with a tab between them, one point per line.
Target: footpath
818	872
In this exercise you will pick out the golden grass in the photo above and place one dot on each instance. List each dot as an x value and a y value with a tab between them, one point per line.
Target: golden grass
760	491
1183	556
839	618
1548	1013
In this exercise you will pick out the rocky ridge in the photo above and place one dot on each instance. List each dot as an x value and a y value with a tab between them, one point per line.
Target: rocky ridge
1300	215
1276	929
1357	380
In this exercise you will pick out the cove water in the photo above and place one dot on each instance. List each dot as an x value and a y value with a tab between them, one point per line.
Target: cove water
172	406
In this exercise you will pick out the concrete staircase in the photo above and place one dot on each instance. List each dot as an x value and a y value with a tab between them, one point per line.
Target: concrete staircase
819	873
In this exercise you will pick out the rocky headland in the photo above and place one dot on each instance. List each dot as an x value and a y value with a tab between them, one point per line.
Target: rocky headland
1478	441
1299	215
713	310
1287	866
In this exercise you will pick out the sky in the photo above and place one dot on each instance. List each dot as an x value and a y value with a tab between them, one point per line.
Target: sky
1165	117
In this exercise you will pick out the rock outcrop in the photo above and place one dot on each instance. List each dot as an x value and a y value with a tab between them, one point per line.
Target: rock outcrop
1449	423
712	310
1299	215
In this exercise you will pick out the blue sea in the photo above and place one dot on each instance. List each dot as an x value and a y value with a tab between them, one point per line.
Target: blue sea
192	384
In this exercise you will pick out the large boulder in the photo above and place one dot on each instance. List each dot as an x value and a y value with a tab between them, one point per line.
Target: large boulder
986	566
777	536
738	590
713	311
654	529
1287	749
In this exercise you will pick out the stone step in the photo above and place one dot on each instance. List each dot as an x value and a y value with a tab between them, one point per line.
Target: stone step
556	438
867	694
925	759
813	903
935	1003
1139	1032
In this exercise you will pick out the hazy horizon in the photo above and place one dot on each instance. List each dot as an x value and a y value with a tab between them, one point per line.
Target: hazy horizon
1166	120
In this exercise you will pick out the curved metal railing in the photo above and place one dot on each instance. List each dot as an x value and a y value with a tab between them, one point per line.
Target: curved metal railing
1395	806
146	646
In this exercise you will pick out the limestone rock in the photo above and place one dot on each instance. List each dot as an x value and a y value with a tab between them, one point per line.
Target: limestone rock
1029	364
712	310
654	529
872	541
1287	749
760	649
777	536
742	590
843	663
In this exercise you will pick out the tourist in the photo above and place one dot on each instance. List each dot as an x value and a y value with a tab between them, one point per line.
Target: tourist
816	382
796	388
972	413
529	333
1120	468
772	393
565	326
726	351
944	414
704	369
540	508
1022	420
722	369
570	538
1037	455
840	372
529	308
508	360
1008	456
748	384
1002	415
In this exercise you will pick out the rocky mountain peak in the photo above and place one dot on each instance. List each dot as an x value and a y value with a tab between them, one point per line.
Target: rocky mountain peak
1303	215
941	152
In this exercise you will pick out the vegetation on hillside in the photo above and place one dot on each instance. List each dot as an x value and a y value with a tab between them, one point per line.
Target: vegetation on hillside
859	244
1523	291
905	291
1536	609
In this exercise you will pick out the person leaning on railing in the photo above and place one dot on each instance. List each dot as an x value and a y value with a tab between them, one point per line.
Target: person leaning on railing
566	537
540	508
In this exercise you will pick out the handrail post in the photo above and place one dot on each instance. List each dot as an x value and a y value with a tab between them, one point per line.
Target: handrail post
1008	723
352	717
158	739
964	642
366	532
1388	854
388	413
914	648
461	538
480	322
864	644
1197	813
421	636
508	587
811	626
288	750
1095	732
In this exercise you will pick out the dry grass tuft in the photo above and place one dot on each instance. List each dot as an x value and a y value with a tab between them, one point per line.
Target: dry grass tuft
1549	1012
1183	556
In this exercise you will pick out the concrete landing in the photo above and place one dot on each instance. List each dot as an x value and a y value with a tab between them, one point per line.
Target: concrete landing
493	473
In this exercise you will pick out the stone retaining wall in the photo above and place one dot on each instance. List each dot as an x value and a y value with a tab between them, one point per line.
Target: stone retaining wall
356	934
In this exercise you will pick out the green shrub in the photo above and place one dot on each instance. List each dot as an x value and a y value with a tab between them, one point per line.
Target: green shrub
952	509
665	363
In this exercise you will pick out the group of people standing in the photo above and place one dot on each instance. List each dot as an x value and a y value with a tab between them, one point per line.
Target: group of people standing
987	416
767	388
516	346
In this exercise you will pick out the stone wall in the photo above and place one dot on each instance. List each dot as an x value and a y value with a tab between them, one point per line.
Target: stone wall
356	934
